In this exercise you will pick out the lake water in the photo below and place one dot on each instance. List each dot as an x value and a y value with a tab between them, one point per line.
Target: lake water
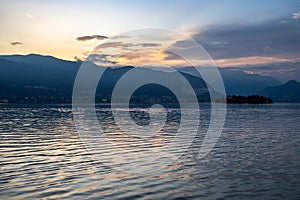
256	157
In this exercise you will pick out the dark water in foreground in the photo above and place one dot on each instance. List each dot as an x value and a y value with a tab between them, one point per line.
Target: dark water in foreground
256	157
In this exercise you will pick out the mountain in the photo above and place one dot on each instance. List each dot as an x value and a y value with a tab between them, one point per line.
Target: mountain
288	92
36	78
237	82
36	59
45	79
112	75
240	83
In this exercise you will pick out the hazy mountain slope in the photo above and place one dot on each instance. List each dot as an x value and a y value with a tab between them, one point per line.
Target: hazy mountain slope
43	78
237	82
288	92
240	83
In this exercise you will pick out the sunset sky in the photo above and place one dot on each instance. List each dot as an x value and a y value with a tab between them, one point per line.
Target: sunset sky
233	32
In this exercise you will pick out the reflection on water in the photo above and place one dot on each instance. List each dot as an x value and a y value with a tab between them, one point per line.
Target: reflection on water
257	156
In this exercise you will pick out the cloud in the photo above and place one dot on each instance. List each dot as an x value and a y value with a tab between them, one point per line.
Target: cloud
132	55
123	45
148	57
282	71
16	43
296	15
149	44
91	37
271	39
29	16
115	45
172	56
120	37
101	59
77	58
255	60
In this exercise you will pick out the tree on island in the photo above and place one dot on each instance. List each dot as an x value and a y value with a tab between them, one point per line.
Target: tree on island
252	99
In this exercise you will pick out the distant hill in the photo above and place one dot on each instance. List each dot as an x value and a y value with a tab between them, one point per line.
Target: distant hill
288	92
45	79
40	60
36	78
238	82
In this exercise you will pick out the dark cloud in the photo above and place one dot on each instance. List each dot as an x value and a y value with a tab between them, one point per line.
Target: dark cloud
272	39
78	58
16	43
269	39
91	37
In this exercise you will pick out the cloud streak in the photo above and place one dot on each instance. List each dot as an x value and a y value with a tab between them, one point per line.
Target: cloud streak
149	44
282	71
126	45
91	37
16	43
115	45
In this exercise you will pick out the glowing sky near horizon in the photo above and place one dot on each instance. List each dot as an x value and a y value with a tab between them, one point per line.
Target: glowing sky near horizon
55	27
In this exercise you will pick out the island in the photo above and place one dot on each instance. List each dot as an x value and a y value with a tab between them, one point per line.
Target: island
252	99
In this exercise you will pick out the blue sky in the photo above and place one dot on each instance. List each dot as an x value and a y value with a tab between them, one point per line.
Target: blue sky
51	27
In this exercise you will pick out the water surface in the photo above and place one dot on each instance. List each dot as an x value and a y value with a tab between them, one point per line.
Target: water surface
257	157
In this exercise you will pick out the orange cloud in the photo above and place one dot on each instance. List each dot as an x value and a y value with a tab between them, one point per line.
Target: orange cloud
153	57
248	61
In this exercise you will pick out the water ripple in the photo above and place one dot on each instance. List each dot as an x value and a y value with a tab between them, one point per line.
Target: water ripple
42	157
